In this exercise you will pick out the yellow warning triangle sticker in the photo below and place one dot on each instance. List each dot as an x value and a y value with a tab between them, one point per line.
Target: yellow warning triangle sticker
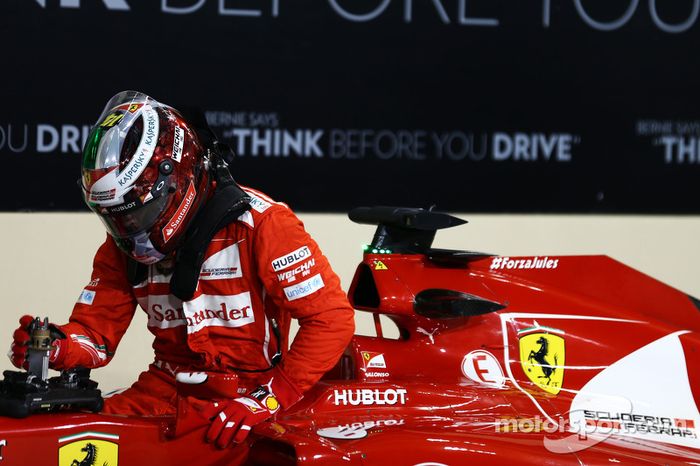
379	265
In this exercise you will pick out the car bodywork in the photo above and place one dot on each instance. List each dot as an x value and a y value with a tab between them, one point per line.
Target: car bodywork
499	360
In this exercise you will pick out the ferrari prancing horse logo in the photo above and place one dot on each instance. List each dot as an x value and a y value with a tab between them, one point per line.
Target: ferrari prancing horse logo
89	449
542	358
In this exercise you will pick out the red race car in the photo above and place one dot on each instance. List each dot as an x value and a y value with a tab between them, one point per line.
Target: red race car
500	360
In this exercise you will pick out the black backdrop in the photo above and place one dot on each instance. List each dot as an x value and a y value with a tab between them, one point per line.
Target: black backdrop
473	105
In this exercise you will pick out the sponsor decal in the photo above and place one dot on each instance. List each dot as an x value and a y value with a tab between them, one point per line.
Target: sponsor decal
93	283
356	430
430	335
89	448
304	288
369	397
379	265
381	375
266	399
165	311
500	263
252	406
100	196
176	222
178	143
121	208
112	119
639	423
222	265
89	178
625	398
542	356
372	360
271	403
131	108
191	378
483	367
291	258
87	297
149	140
290	275
258	204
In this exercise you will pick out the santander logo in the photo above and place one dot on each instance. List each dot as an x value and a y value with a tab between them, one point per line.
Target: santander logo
166	311
174	224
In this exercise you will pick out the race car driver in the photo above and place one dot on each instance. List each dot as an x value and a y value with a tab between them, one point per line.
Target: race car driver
219	270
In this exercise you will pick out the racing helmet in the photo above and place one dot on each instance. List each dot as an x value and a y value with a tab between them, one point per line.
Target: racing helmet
145	173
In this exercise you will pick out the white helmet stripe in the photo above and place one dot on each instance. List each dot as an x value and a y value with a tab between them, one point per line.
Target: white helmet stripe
110	189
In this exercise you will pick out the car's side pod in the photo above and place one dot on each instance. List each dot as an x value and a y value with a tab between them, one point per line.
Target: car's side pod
436	303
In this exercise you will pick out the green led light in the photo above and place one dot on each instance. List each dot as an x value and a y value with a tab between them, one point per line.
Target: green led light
374	251
382	251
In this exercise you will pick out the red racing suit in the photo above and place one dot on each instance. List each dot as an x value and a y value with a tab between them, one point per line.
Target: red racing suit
261	267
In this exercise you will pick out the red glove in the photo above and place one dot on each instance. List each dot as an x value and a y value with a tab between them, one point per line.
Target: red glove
20	342
233	423
238	416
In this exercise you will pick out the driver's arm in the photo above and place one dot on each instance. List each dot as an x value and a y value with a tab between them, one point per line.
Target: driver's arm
326	319
101	315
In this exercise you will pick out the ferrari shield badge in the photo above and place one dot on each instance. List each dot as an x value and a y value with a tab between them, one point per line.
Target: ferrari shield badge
89	449
542	354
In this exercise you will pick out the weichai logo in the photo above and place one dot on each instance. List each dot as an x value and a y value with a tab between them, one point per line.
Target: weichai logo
304	269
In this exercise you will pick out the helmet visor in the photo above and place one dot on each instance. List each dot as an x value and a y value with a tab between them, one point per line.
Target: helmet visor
128	219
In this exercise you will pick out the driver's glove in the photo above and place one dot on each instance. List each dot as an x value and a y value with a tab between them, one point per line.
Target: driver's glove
238	416
234	421
21	340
